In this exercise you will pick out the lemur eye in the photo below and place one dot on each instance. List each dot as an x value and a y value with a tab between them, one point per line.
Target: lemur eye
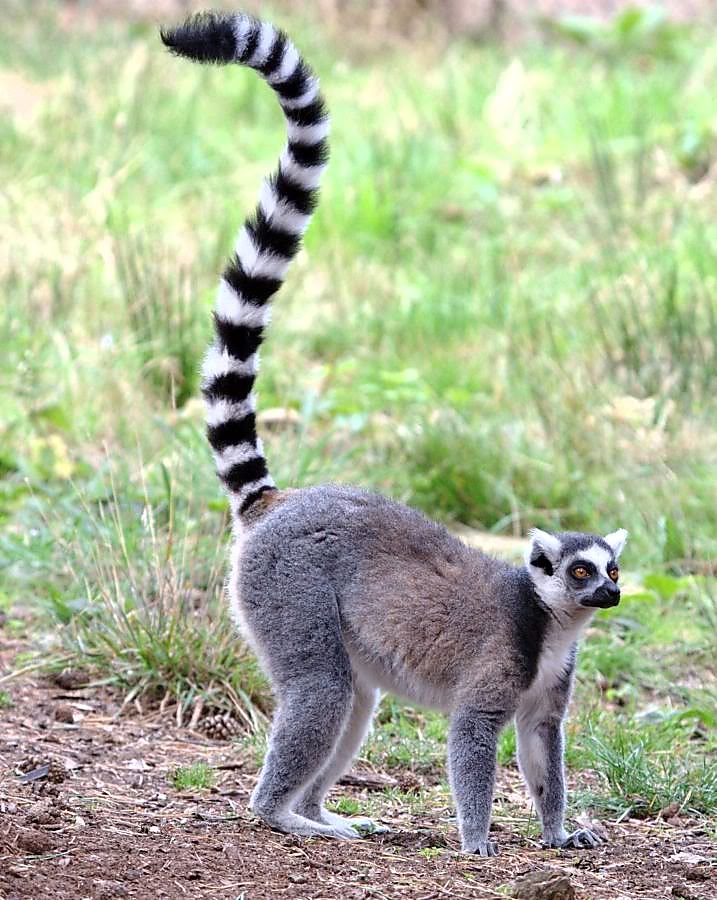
580	572
614	573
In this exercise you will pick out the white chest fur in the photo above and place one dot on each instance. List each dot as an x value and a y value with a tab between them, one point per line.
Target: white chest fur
553	663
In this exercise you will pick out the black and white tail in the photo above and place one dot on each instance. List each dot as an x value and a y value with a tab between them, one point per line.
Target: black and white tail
266	244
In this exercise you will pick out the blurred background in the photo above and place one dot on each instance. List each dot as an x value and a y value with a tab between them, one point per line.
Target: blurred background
505	313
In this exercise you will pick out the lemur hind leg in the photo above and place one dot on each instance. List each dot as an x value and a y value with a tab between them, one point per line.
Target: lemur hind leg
311	675
311	803
306	725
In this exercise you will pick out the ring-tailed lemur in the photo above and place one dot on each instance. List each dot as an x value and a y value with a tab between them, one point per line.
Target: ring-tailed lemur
343	593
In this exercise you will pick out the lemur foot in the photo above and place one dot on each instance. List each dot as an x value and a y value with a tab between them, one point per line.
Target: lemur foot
582	838
481	848
291	823
358	823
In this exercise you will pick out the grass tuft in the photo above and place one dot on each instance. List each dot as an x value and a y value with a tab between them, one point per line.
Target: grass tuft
149	614
645	774
6	701
170	327
197	777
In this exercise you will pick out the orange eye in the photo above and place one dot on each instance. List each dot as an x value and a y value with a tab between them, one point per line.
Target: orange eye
614	574
580	572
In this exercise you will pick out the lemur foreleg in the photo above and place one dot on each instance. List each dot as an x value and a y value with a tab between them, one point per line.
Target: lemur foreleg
541	743
472	750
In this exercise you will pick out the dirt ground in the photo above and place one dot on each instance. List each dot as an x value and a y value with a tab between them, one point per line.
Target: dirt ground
106	822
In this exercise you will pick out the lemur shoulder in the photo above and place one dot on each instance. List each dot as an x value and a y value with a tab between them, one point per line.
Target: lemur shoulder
343	593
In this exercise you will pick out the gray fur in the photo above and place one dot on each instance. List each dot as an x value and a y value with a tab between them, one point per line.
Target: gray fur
342	592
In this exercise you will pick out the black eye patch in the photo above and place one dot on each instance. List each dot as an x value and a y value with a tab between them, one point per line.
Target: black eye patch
541	561
582	570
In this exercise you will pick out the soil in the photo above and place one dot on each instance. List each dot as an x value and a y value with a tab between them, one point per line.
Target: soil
99	818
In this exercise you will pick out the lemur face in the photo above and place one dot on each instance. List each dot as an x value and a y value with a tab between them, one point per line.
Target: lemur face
576	570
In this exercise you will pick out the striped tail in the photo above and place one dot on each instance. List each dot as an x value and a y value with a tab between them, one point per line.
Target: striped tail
266	244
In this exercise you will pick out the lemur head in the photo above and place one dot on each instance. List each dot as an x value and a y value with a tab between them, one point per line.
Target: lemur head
571	569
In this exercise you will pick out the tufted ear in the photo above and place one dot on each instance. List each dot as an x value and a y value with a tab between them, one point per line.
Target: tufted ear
543	551
616	541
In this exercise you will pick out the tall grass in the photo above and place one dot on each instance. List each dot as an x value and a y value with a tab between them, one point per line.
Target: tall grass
147	611
505	347
169	325
646	775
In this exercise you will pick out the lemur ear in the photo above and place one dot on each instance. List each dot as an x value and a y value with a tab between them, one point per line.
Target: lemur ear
616	541
543	551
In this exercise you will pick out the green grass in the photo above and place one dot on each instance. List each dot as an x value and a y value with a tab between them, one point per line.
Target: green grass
648	770
144	607
504	315
431	852
197	777
406	738
346	806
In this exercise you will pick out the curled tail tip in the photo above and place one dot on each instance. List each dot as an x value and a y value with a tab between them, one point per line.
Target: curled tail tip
208	37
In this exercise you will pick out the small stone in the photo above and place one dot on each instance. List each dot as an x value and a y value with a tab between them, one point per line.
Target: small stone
545	884
669	811
64	713
71	679
689	858
35	842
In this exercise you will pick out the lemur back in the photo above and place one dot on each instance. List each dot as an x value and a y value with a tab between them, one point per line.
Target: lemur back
342	592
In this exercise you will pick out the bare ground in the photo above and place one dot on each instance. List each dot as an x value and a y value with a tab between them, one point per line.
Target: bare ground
111	825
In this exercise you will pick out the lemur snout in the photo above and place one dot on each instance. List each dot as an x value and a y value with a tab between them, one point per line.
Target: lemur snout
605	596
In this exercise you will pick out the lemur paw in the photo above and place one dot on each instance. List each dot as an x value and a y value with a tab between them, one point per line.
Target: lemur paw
291	823
582	838
368	826
359	823
344	832
481	848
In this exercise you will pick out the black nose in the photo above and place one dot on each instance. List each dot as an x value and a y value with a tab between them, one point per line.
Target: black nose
605	596
609	593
